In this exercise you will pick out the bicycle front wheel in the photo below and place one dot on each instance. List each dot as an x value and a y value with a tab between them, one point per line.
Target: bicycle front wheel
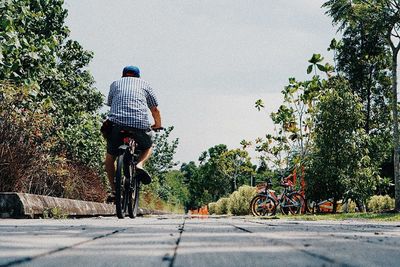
133	195
294	204
262	205
120	188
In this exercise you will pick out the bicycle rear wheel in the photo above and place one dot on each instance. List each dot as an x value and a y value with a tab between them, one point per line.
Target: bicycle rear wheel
120	188
133	195
262	205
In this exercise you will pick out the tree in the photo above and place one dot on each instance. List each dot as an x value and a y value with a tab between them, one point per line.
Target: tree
178	192
339	165
235	164
289	146
161	162
210	175
219	171
196	185
381	17
364	59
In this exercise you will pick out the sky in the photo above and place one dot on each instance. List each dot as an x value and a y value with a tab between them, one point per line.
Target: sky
207	60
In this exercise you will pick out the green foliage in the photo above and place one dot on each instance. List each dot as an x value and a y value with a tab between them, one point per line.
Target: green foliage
259	104
209	182
219	173
222	206
31	32
236	166
380	203
212	208
236	204
374	24
239	200
35	50
83	142
54	213
194	184
349	207
339	165
53	104
289	146
178	192
161	162
27	159
315	61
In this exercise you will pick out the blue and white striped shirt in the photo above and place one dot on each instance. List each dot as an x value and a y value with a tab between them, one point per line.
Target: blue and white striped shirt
129	99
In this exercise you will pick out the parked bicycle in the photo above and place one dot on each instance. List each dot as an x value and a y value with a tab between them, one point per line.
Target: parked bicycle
127	182
266	201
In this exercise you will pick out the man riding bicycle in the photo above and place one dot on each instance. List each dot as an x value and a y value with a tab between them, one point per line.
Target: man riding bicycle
130	98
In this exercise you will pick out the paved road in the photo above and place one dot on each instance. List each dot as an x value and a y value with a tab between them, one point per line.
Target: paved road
185	241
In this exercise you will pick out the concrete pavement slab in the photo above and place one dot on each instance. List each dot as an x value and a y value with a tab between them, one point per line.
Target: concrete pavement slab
194	241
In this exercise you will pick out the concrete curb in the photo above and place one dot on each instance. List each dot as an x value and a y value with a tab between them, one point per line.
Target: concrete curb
23	205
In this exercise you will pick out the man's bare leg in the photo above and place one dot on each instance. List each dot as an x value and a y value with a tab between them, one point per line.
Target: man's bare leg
110	169
145	155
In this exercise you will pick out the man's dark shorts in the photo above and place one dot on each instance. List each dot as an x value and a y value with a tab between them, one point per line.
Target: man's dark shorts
142	138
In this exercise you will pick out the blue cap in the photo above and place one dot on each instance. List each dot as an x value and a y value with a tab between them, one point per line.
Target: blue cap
131	69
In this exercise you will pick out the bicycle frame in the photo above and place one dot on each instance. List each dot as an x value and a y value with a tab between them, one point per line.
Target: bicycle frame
282	200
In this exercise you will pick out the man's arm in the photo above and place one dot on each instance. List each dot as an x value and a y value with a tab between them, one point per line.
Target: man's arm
155	112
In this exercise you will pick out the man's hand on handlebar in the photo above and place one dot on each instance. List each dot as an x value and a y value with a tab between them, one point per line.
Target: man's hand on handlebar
157	128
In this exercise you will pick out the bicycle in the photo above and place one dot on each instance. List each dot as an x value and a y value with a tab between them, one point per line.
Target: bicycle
266	201
127	184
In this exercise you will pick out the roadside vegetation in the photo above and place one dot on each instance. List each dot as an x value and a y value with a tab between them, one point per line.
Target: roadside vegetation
50	140
336	131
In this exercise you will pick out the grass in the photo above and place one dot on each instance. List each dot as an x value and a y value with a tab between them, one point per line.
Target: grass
382	217
150	201
55	213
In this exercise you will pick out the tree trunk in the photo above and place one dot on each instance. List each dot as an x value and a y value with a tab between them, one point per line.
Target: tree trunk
395	131
360	206
334	206
369	93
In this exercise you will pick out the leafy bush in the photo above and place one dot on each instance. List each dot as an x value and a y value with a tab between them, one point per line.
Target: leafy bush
239	200
222	206
212	207
49	125
23	130
42	55
82	142
27	160
349	207
380	203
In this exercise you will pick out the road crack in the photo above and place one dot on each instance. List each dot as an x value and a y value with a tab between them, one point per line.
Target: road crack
51	252
181	228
